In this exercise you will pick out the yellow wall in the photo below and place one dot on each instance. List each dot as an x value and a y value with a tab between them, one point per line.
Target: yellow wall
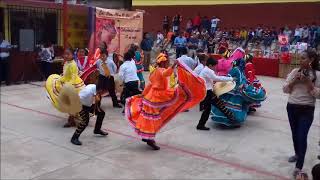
208	2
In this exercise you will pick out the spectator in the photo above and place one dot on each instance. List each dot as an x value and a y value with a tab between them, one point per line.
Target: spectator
225	33
176	23
4	60
243	34
218	33
201	43
166	24
237	35
303	87
312	34
189	26
196	21
180	42
211	45
146	46
266	37
223	46
251	34
274	33
259	33
214	24
287	32
160	39
305	34
193	45
297	34
46	55
205	23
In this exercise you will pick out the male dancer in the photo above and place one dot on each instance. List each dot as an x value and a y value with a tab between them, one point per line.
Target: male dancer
87	94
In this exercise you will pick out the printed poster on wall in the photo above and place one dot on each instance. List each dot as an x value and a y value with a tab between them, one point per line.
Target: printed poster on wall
117	28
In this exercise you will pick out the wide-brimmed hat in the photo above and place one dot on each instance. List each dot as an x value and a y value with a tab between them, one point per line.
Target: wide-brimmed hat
118	83
68	100
220	88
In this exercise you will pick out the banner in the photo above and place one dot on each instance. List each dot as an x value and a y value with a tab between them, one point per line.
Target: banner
117	29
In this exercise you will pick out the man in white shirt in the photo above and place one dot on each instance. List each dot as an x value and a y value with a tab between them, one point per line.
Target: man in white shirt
89	94
214	24
201	63
107	80
185	59
4	59
128	74
210	78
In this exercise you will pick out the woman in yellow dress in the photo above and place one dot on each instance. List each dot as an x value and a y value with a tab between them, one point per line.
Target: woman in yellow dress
159	103
55	82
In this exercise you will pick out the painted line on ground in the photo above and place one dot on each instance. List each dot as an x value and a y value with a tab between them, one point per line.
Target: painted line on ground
180	150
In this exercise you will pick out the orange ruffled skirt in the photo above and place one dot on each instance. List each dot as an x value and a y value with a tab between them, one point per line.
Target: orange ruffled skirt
148	114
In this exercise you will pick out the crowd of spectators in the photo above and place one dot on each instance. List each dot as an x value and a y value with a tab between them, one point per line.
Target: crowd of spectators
206	33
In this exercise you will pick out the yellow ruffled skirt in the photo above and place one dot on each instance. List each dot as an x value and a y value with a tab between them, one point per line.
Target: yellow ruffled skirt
54	84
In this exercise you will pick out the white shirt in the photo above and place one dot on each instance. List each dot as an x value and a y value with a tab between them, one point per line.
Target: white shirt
4	44
86	95
191	63
210	77
214	22
128	71
298	32
159	38
199	68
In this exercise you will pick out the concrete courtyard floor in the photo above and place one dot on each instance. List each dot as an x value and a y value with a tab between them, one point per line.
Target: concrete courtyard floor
35	146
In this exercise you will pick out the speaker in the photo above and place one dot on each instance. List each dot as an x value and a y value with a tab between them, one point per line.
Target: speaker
26	40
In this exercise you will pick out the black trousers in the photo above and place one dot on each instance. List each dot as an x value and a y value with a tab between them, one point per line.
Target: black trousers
212	99
85	117
206	106
46	69
4	70
130	89
300	119
109	84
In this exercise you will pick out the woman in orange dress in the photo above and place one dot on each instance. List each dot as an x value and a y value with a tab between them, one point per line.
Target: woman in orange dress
159	103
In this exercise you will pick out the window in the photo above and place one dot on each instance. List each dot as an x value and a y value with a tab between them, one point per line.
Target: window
43	21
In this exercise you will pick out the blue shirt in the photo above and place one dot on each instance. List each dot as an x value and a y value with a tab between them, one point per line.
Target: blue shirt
180	41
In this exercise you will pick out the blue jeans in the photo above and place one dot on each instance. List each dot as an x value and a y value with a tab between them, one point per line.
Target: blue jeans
300	119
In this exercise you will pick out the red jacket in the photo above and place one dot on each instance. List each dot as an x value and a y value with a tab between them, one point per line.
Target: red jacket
196	21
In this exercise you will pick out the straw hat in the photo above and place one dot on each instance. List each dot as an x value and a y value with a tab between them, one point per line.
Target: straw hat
220	88
68	100
118	83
